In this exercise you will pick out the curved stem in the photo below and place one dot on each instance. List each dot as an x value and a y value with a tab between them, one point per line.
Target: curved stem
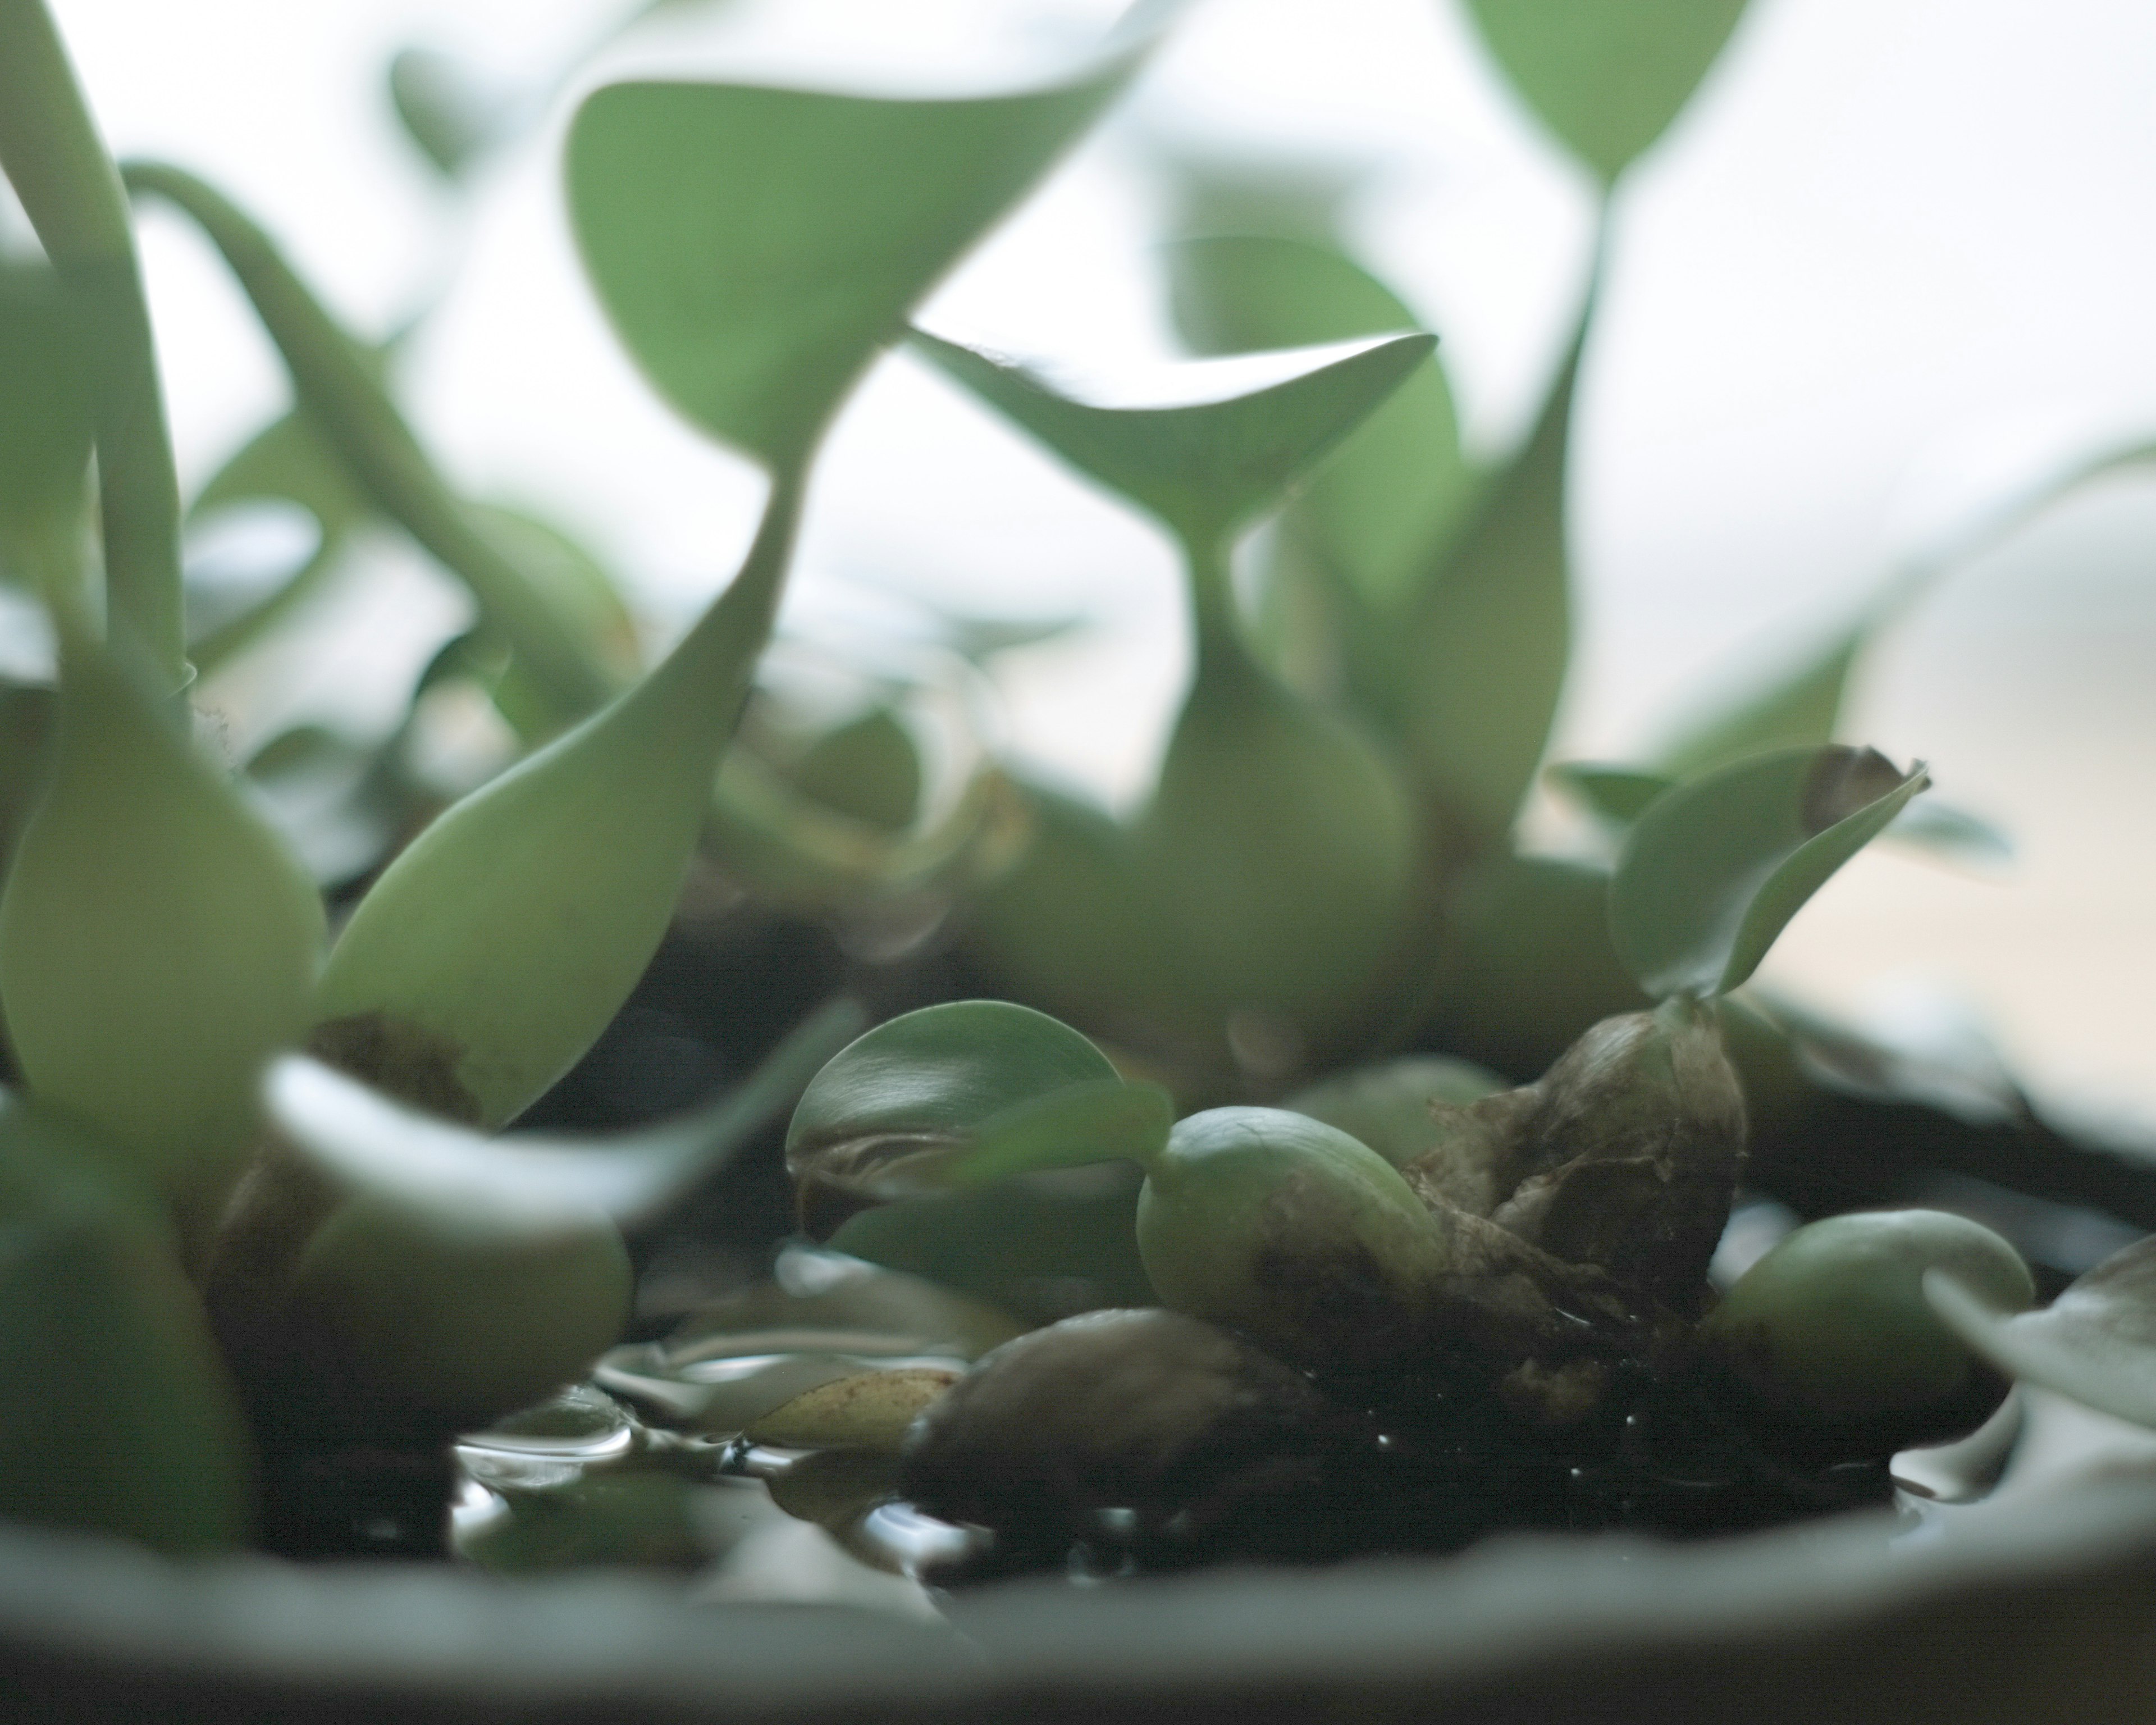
61	171
363	426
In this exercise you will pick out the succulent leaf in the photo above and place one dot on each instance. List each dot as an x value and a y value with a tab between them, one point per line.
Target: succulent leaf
157	941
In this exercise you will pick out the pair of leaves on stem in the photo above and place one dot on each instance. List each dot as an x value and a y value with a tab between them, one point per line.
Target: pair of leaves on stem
1277	853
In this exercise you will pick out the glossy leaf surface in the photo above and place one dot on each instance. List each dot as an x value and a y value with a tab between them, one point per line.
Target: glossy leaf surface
2096	1343
962	1094
1374	515
1487	644
1715	870
120	1418
157	941
1207	445
1606	78
756	248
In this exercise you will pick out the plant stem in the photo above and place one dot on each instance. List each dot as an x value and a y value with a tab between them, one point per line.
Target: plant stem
1212	621
61	171
358	420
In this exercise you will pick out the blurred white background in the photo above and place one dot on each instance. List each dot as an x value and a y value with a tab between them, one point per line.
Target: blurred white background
1886	234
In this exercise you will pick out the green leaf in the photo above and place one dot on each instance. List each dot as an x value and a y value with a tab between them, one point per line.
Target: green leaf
757	248
1619	794
48	408
2095	1344
1042	1246
1374	515
869	1411
501	941
1799	709
120	1417
962	1094
1715	870
1608	79
1207	445
286	462
370	1142
1487	643
869	768
157	941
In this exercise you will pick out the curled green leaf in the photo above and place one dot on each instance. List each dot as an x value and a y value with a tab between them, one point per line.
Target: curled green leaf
1715	870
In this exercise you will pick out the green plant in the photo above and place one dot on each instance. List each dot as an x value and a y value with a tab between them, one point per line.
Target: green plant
1321	892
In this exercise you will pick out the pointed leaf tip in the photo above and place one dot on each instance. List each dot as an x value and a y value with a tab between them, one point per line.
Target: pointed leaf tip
1714	870
1204	445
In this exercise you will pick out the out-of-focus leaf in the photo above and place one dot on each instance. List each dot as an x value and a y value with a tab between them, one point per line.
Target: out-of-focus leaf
1042	1247
1532	966
286	462
120	1417
868	768
1952	833
2095	1344
1714	870
1065	925
756	248
26	730
325	795
870	1410
376	1144
1373	514
639	1517
444	110
1485	647
961	1094
789	849
1798	712
157	941
578	589
1619	794
1606	78
338	384
1387	1105
1207	445
48	408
